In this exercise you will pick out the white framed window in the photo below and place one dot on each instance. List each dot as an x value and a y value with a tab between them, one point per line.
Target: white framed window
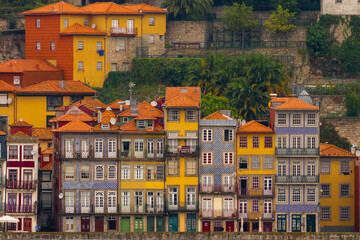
86	22
99	172
138	201
207	158
112	172
173	197
190	115
228	157
281	142
125	119
69	173
105	126
122	44
325	167
69	202
281	119
296	195
296	167
311	119
115	23
296	141
80	45
228	135
255	162
98	46
311	142
311	168
38	23
98	66
16	80
190	197
112	201
152	39
80	66
125	172
85	172
173	115
99	201
191	167
65	23
151	21
139	172
125	201
207	135
112	147
38	46
296	119
141	123
52	46
268	162
281	195
173	168
85	202
344	167
311	195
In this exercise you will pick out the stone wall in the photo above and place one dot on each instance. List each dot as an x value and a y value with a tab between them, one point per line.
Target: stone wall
330	105
313	81
347	127
187	31
4	24
346	7
12	45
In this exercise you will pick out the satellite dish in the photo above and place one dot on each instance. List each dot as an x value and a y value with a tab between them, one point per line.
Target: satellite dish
243	122
33	152
93	25
108	108
113	121
357	153
153	103
61	195
9	101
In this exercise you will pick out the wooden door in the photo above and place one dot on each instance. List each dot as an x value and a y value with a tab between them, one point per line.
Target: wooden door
11	208
27	203
267	227
206	226
85	224
125	224
310	223
191	222
173	223
27	224
150	224
99	224
138	224
160	223
229	226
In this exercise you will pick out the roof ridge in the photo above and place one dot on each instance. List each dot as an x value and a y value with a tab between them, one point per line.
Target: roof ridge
110	4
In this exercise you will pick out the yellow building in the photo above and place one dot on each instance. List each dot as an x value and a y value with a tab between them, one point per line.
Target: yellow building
181	118
337	181
256	175
7	105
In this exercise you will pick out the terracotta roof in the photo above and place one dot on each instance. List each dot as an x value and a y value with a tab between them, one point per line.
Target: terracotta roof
115	105
20	134
27	65
78	29
144	117
56	8
131	127
42	133
52	87
144	108
6	88
69	117
329	150
109	8
97	128
192	92
74	126
91	104
20	124
182	101
47	151
254	127
2	133
106	116
145	8
47	166
295	104
217	116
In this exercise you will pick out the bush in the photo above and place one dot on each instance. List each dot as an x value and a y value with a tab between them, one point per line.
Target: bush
328	134
352	103
280	21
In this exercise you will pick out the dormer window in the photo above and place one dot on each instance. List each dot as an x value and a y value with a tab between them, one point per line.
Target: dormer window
141	123
16	80
125	119
105	126
150	124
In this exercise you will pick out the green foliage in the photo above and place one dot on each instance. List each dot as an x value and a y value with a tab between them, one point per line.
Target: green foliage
280	21
337	89
11	21
291	5
328	134
211	104
189	7
352	103
239	17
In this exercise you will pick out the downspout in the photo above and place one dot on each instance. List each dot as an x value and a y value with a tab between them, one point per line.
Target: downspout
105	49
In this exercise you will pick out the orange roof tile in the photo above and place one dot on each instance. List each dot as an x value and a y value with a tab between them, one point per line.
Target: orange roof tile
254	127
47	151
115	105
2	133
74	126
52	87
69	117
91	104
131	127
144	8
329	150
6	88
182	101
97	128
42	133
47	166
144	117
20	134
56	8
295	104
78	29
21	123
27	65
106	116
144	108
217	116
109	8
192	92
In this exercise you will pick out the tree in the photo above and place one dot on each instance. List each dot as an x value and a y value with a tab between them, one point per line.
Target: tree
291	5
280	21
211	104
328	134
352	104
189	7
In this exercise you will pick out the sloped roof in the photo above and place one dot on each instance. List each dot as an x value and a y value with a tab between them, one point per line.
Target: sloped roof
56	8
69	117
91	104
131	127
190	92
145	8
295	104
42	133
27	65
78	29
109	8
47	166
217	116
254	127
2	133
74	126
20	123
52	87
182	101
19	134
115	105
144	108
7	88
47	151
329	150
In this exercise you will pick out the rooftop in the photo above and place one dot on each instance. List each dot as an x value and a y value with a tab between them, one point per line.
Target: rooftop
145	8
20	123
217	116
109	8
191	92
74	126
329	150
7	88
27	65
292	104
42	133
56	8
254	127
144	109
78	29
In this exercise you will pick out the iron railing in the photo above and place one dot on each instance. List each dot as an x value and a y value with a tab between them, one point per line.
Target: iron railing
20	208
258	192
182	150
297	179
123	31
90	209
255	215
297	151
30	184
217	188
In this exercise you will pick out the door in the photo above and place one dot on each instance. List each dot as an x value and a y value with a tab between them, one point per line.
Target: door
12	181
130	26
160	224
267	209
150	148
281	223
139	148
27	203
84	148
125	224
159	148
246	227
85	202
296	223
85	224
206	226
99	224
139	203
112	148
191	222
138	224
267	186
150	202
99	148
206	185
150	224
99	202
69	148
229	226
27	180
11	208
243	186
27	224
173	223
310	223
243	208
267	227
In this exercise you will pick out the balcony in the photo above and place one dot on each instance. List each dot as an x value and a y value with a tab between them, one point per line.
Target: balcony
259	192
217	188
297	151
182	151
21	184
91	209
225	213
151	208
128	154
297	179
123	32
256	215
81	155
182	206
20	208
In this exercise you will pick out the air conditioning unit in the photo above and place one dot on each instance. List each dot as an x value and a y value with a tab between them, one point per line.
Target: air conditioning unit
93	25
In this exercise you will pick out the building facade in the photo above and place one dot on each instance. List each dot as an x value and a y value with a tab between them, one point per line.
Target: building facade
340	7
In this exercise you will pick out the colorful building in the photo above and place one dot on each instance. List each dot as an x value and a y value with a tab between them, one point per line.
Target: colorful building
3	157
217	173
7	105
255	177
296	124
337	189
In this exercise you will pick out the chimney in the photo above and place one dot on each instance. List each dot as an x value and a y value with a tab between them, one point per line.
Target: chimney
273	95
121	105
62	84
99	114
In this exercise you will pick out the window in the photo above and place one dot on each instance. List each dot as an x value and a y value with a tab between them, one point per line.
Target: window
281	119
296	142
38	46
228	158
255	162
296	119
113	67
125	119
54	102
141	123
296	195
325	167
122	44
173	167
112	175
190	115
98	66
296	168
281	195
112	223
191	167
268	162
125	201
85	172
255	141
311	119
325	190
80	45
98	46
150	123
52	46
105	126
37	23
255	205
207	135
243	142
338	1
99	172
173	115
81	66
16	80
139	172
152	39
268	142
255	182
311	142
159	172
311	195
325	213
281	142
66	23
151	21
310	168
344	190
228	135
27	152
345	167
115	23
150	173
190	197
86	22
207	158
69	173
125	172
125	66
173	197
243	162
344	213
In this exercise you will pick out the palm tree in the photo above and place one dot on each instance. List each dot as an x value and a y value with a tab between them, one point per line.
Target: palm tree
186	7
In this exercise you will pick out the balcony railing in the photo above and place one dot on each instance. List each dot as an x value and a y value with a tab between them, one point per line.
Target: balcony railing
90	209
155	208
217	188
21	184
127	154
123	31
20	208
259	192
297	179
182	150
182	206
256	215
89	155
297	151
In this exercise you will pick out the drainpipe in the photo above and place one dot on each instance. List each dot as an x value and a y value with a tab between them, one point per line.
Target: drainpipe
105	48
